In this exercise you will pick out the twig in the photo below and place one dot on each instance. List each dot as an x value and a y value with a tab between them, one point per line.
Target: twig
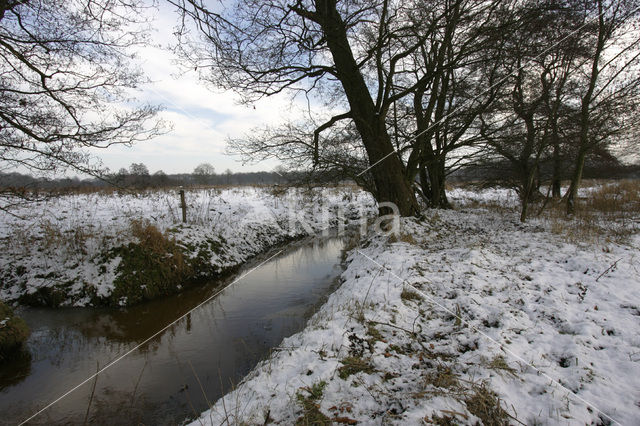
200	383
613	265
93	390
135	389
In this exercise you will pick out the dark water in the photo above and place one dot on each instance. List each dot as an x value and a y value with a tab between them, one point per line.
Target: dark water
172	377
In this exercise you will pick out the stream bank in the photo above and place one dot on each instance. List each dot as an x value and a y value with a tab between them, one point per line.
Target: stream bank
176	375
121	250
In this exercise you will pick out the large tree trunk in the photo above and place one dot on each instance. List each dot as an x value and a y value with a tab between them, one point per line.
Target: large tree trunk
386	167
433	170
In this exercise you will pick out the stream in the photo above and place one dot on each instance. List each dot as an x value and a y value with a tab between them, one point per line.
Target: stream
178	374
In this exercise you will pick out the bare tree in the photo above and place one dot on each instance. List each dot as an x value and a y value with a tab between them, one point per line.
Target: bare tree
138	169
340	156
203	173
455	77
534	115
66	82
261	48
612	80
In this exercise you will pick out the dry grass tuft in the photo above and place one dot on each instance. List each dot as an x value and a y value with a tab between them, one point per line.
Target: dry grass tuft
54	238
408	295
404	238
151	237
353	365
617	198
500	365
485	404
609	212
443	377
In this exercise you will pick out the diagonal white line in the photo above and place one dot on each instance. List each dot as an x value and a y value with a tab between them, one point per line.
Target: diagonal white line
148	339
503	347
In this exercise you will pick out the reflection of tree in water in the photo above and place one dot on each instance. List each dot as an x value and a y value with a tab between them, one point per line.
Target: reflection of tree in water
16	369
137	323
57	343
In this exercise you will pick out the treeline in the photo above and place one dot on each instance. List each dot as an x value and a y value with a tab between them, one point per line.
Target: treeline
489	173
18	183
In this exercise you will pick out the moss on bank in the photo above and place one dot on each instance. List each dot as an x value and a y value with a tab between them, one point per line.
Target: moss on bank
153	264
13	332
157	265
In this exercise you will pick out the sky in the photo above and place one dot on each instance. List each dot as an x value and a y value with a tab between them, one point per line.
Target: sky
202	119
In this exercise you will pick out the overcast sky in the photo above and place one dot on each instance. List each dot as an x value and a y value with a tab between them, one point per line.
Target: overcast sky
202	119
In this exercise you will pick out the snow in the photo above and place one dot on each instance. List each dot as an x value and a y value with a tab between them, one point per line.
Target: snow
551	327
464	315
63	240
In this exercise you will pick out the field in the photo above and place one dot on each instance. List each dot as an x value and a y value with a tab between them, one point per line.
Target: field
462	316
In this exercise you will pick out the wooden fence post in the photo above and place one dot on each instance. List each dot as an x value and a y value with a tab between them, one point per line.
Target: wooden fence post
183	206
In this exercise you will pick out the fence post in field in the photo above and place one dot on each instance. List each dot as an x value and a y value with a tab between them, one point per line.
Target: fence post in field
183	206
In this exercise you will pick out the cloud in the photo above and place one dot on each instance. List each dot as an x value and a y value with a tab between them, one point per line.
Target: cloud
202	118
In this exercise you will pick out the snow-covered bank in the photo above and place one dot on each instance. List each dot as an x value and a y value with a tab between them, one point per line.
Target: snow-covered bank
468	315
94	248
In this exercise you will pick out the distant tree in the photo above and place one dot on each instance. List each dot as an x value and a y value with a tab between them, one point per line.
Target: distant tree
64	82
228	174
120	178
138	175
160	179
338	158
138	169
203	173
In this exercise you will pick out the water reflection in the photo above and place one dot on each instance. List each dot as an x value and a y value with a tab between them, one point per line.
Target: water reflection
173	376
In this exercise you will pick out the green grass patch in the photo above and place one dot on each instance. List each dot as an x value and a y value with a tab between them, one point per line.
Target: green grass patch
308	398
157	265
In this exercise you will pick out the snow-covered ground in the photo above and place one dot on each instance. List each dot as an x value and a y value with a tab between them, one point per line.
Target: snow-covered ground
66	243
466	316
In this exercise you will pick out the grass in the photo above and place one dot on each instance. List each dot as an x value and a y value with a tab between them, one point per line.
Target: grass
151	267
13	332
408	295
353	365
485	404
308	398
403	238
442	377
610	212
499	364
